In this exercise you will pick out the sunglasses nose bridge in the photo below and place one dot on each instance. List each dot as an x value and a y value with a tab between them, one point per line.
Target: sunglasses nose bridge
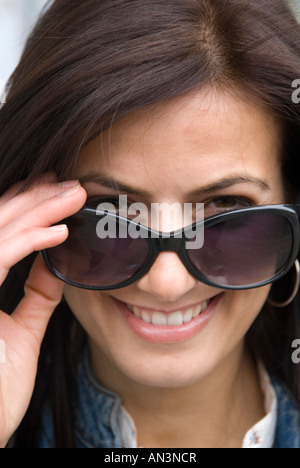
168	244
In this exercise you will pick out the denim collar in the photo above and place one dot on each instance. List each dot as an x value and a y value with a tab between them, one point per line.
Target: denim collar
98	414
288	415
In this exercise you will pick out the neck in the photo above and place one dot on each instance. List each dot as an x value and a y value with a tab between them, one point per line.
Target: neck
214	412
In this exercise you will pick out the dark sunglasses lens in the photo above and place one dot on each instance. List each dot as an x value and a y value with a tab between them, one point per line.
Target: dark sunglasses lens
244	251
89	261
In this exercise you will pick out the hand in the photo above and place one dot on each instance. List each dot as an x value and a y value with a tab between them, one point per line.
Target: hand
25	227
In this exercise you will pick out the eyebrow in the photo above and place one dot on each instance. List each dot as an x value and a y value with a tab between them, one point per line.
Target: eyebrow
229	181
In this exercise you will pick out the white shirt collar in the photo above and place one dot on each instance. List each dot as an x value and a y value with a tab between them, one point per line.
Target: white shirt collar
262	434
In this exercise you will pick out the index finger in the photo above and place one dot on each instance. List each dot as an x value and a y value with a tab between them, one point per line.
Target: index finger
15	189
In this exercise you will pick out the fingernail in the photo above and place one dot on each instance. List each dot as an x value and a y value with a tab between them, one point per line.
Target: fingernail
71	187
58	227
68	183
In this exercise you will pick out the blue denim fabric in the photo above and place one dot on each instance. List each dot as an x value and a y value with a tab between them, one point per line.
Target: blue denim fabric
97	415
99	410
288	418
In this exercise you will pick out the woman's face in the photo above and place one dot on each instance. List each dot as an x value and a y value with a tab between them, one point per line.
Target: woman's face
179	152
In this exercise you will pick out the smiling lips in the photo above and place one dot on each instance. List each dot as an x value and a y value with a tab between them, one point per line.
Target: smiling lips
168	327
175	319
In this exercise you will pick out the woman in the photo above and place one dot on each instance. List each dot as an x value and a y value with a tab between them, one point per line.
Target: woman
164	102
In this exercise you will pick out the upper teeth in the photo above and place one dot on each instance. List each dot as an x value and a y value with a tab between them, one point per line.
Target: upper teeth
171	319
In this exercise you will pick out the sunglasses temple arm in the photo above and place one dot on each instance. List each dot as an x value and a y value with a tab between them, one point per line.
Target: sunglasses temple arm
297	209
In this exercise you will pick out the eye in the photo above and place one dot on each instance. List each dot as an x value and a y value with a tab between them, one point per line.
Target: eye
226	203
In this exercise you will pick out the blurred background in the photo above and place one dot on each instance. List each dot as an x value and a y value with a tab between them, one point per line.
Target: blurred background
17	18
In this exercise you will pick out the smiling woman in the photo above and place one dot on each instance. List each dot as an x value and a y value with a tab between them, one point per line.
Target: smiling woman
149	343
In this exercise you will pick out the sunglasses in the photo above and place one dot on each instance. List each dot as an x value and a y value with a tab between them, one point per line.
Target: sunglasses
242	249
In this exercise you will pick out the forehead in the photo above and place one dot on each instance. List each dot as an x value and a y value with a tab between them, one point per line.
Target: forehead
191	140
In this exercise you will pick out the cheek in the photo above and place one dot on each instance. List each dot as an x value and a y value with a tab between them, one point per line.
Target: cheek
87	306
243	307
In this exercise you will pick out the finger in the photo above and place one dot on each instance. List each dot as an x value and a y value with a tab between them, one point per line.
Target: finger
26	201
16	188
49	211
14	249
43	292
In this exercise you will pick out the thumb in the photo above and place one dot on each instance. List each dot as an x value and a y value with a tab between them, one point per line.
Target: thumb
43	292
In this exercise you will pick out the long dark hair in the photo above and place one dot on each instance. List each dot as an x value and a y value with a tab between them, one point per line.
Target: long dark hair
88	64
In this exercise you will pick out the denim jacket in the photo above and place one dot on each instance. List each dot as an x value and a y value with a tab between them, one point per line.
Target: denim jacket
99	411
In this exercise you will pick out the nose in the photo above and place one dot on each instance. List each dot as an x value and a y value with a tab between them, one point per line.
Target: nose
167	279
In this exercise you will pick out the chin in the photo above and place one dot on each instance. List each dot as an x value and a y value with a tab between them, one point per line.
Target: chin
166	370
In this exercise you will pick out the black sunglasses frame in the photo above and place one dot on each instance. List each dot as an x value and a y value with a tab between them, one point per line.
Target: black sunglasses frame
176	242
